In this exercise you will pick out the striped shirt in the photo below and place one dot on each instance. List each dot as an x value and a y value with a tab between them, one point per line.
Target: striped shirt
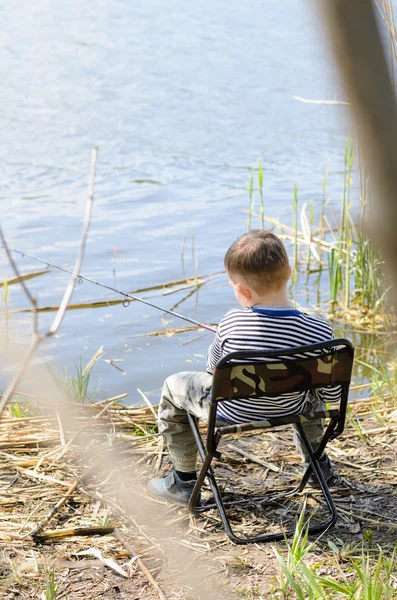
263	328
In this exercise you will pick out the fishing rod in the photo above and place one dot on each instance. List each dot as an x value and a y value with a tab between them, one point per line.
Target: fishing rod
127	297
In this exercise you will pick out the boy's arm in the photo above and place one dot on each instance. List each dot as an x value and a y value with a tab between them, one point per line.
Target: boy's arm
214	351
331	394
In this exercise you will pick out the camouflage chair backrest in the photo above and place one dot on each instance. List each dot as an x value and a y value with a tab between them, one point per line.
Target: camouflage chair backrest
256	379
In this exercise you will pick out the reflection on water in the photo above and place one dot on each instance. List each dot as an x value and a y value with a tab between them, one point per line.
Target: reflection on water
181	101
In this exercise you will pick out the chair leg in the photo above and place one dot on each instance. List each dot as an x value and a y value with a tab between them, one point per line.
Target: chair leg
320	449
317	470
206	471
206	468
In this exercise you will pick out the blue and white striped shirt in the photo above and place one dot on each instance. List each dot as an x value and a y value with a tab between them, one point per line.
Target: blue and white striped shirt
264	328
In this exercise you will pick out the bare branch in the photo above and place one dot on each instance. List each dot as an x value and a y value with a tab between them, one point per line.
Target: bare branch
37	338
308	101
77	266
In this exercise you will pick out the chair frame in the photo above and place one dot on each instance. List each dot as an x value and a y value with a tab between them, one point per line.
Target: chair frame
209	451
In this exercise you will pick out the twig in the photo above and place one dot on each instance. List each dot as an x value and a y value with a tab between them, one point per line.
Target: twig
160	455
61	430
62	501
361	518
254	459
146	399
140	564
308	101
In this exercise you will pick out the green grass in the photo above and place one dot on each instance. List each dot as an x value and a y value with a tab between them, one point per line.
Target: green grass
20	410
51	587
106	520
77	388
250	593
362	577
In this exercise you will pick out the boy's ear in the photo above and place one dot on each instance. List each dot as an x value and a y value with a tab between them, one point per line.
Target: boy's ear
243	291
289	271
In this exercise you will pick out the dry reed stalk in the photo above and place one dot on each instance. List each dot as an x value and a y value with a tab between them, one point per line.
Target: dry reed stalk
90	423
141	564
254	458
71	489
148	403
24	277
367	520
93	360
191	282
160	453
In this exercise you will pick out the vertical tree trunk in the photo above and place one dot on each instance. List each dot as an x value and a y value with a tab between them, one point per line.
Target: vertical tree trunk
357	45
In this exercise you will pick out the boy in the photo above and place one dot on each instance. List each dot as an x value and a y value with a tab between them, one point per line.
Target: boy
258	270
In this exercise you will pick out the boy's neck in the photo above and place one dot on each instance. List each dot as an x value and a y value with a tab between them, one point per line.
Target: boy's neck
274	299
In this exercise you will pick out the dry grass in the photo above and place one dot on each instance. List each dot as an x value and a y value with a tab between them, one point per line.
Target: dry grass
38	472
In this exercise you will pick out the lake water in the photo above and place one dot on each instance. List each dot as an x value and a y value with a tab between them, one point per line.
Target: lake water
181	99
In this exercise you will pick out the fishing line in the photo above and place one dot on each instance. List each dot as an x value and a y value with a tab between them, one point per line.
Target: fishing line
126	296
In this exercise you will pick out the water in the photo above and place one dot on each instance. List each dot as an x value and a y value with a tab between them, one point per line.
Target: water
181	100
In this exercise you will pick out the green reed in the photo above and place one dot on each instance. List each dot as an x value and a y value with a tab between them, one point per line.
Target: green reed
309	254
335	277
260	187
369	283
342	254
251	199
295	226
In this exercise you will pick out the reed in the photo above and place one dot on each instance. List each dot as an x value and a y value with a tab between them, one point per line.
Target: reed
76	388
260	188
295	226
341	254
251	199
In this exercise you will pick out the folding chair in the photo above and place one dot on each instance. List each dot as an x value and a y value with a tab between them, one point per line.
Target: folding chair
250	374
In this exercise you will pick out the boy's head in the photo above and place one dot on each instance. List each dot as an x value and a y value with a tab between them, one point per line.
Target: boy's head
257	260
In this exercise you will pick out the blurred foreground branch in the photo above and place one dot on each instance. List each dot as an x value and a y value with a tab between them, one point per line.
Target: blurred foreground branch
358	49
38	337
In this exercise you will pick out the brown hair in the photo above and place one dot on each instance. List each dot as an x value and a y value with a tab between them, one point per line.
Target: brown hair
260	258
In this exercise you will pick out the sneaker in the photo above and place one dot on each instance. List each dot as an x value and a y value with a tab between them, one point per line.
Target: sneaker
326	467
172	488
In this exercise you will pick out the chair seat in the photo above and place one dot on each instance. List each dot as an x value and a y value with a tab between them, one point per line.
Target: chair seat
277	422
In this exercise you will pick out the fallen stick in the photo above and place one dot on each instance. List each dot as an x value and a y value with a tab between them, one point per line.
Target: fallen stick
140	564
62	501
254	459
361	518
58	534
40	477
